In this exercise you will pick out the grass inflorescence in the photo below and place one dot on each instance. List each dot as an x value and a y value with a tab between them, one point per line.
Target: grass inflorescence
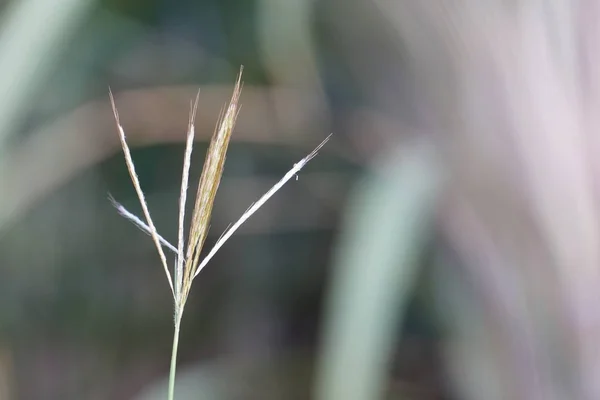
188	264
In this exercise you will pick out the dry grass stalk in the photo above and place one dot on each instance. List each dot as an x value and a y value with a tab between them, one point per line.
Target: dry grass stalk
140	193
188	264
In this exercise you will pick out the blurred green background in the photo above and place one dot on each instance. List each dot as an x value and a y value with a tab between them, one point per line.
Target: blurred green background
85	312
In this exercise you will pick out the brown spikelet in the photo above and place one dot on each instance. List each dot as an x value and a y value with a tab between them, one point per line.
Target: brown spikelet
207	188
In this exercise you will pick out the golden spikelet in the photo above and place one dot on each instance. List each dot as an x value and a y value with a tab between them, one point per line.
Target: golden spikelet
207	188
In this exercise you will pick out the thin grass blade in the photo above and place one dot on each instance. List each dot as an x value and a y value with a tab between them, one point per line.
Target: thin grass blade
255	206
183	197
140	193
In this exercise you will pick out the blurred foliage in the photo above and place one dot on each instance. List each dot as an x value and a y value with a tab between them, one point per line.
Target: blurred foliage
85	312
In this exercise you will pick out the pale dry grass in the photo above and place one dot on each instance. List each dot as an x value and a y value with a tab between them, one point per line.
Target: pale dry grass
188	264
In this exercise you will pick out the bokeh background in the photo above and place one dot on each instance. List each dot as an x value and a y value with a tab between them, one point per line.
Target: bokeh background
443	245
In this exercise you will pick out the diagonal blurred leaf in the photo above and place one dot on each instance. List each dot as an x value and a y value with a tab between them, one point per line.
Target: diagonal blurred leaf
386	224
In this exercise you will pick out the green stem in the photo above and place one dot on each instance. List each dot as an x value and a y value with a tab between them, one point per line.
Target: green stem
171	393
